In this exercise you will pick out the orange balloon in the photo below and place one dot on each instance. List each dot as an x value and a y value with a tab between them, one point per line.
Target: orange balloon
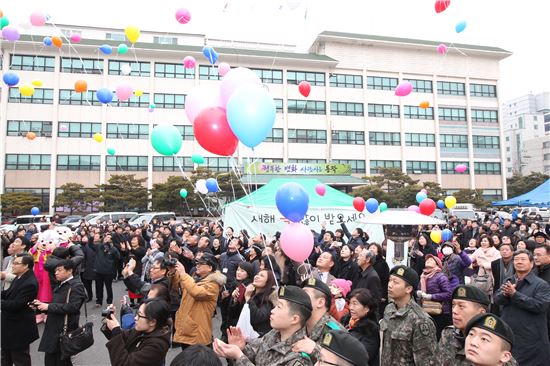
57	42
425	104
80	86
1	13
31	135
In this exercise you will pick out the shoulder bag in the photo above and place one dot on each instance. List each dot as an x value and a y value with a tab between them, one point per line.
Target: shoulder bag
75	341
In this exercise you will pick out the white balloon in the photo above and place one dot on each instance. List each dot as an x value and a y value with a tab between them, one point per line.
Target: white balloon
126	69
201	186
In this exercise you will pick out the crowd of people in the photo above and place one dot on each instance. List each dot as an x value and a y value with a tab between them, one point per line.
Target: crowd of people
481	298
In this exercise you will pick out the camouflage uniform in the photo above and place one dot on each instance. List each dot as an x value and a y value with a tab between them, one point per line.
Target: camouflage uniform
323	326
408	336
270	350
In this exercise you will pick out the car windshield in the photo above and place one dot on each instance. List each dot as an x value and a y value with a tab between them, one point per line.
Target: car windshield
139	219
464	214
72	219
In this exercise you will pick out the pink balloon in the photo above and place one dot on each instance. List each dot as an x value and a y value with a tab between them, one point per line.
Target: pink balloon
461	168
223	68
442	49
320	189
189	62
424	190
38	19
199	98
233	80
297	241
414	208
403	89
183	16
75	37
124	92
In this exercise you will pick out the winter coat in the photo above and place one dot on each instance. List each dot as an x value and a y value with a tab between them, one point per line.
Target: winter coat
484	257
349	270
418	262
260	312
453	267
76	255
88	264
228	266
440	288
353	242
133	348
383	270
236	304
369	279
106	259
367	332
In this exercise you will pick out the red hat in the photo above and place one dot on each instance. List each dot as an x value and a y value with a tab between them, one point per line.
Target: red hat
436	259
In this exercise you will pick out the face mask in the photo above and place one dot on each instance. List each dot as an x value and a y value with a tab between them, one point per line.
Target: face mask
447	251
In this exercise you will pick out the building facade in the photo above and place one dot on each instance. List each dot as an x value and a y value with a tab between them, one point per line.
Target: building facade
351	116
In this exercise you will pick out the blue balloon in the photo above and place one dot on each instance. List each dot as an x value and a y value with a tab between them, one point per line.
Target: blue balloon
106	49
10	78
446	235
441	204
35	211
47	41
104	95
292	201
372	205
251	114
421	196
460	26
212	185
210	54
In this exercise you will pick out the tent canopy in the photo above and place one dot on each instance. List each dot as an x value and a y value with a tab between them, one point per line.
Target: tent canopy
539	196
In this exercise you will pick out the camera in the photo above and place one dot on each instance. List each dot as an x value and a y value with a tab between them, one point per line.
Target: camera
171	262
106	313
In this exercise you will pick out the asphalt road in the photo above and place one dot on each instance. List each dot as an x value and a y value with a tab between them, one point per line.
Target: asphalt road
97	355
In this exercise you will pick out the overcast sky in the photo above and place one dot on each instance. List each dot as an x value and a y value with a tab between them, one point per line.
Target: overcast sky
517	26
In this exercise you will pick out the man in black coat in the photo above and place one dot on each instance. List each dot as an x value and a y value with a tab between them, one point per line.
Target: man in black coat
18	320
369	278
60	306
542	262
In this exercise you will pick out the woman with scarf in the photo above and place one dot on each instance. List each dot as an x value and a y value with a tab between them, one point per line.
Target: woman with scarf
455	261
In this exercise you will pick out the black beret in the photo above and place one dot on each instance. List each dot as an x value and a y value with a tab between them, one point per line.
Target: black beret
471	293
540	233
296	295
408	274
345	346
208	258
320	286
493	324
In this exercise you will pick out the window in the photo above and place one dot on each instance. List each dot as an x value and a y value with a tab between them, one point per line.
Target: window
450	88
77	65
482	115
218	164
307	136
314	78
165	40
269	76
133	101
173	71
270	160
546	145
384	110
127	131
306	106
307	161
414	112
70	97
348	137
20	128
278	105
42	193
381	83
420	167
452	114
121	163
169	101
78	129
448	167
421	86
483	90
492	194
139	68
115	37
207	72
357	166
375	165
186	132
454	141
346	81
346	109
28	162
170	163
385	138
420	139
40	96
32	63
520	121
546	157
78	162
486	142
487	168
276	135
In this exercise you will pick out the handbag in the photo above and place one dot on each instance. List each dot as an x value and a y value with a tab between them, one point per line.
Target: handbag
75	341
484	281
432	307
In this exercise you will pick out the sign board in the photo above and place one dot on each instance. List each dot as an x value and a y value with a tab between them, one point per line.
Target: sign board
298	169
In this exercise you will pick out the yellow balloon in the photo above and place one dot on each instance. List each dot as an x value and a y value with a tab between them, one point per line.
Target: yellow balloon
98	137
37	83
132	33
435	235
450	201
138	93
26	90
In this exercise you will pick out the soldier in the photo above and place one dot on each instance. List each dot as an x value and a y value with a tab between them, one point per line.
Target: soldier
489	341
288	320
408	332
342	349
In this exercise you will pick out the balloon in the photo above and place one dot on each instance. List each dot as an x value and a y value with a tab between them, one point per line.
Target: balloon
424	105
166	139
359	204
441	5
442	49
450	201
460	26
200	98
414	208
183	16
424	190
183	193
305	88
4	22
201	186
126	69
106	49
10	78
122	49
292	201
251	114
223	68
233	80
297	241
75	38
37	83
403	89
420	196
212	185
210	54
124	92
57	42
446	234
197	159
152	107
320	189
461	168
441	204
213	133
132	33
104	95
189	62
38	19
80	86
47	41
30	135
435	235
26	90
98	137
383	206
35	211
372	205
1	13
427	207
111	151
10	34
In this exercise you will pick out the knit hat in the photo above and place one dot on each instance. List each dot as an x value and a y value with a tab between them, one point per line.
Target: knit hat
436	259
343	285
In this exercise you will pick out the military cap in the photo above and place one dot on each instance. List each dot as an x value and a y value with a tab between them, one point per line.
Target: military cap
296	295
318	285
345	346
493	324
408	274
540	233
471	293
208	258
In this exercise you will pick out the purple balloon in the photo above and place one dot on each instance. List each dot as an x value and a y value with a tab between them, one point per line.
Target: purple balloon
10	34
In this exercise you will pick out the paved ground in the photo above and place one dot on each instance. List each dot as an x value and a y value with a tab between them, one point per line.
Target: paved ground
97	355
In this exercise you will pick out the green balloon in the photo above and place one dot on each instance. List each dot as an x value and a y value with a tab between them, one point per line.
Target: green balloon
183	193
4	22
111	151
383	206
197	159
166	140
122	48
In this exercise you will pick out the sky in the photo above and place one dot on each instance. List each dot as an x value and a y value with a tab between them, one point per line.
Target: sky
516	26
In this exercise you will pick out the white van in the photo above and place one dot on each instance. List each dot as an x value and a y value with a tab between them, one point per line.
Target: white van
25	220
162	217
534	213
93	218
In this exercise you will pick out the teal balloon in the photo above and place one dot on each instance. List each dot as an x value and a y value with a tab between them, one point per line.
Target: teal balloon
183	193
122	49
166	139
4	22
383	206
197	159
111	151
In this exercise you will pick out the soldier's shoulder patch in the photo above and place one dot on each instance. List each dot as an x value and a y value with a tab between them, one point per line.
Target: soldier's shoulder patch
424	329
298	363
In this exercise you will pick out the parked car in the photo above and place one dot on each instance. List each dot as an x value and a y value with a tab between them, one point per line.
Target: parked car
163	217
536	213
25	220
467	214
93	218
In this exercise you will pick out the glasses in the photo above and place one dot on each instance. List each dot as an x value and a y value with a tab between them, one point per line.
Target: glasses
141	316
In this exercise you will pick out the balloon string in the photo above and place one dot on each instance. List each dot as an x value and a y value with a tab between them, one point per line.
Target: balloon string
273	271
194	187
75	50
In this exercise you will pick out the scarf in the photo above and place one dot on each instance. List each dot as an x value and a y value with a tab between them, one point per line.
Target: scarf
427	273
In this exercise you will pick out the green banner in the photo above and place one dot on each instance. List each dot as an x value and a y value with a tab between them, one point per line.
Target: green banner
298	169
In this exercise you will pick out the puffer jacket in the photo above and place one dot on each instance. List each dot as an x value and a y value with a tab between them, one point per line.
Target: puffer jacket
454	266
440	288
133	348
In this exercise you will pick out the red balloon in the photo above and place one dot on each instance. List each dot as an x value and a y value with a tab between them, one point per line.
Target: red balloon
427	207
304	88
213	133
441	5
359	204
